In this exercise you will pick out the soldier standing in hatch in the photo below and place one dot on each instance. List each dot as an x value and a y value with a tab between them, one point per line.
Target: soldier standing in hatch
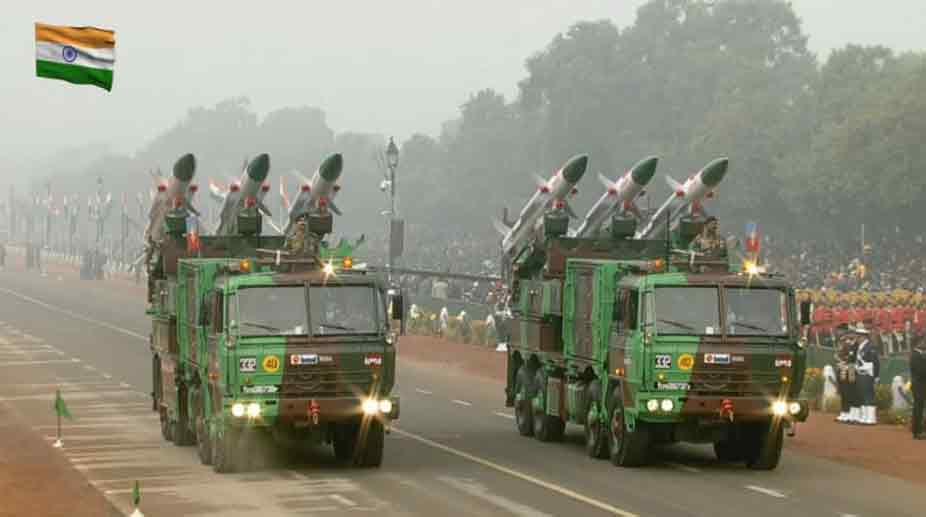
918	383
708	241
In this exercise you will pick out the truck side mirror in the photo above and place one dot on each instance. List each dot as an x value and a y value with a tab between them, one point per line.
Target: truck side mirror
805	312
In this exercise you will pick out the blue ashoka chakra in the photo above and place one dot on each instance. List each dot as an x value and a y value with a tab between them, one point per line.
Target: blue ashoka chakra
69	54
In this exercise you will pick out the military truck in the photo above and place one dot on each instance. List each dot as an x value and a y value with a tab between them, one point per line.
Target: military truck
250	337
642	342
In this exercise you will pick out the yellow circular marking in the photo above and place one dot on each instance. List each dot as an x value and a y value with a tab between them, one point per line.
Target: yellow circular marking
686	362
271	364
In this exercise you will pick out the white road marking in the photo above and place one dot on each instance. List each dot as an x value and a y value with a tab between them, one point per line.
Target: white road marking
341	499
89	367
509	416
36	363
766	491
107	376
686	468
520	475
75	315
462	402
480	491
424	392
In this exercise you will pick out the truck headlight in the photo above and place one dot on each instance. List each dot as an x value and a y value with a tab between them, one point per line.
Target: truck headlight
253	410
385	406
667	405
780	408
794	408
237	410
370	406
652	405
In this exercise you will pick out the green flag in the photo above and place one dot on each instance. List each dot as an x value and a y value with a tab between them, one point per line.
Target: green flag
136	495
61	409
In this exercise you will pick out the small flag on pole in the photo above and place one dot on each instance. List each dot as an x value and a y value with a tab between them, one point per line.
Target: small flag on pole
136	500
61	410
78	55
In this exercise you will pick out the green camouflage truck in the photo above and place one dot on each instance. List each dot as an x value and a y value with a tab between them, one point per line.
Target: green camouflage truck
642	344
248	339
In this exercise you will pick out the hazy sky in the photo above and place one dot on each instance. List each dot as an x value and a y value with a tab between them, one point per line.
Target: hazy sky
392	67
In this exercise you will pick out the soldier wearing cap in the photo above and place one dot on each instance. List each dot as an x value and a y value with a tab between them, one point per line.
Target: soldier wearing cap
708	241
867	369
845	378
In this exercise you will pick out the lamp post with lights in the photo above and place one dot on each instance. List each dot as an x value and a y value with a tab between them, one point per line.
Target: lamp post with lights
392	162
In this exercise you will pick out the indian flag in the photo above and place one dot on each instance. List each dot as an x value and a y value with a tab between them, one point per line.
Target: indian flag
79	55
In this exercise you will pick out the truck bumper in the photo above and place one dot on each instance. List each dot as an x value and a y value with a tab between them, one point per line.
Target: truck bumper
300	412
720	409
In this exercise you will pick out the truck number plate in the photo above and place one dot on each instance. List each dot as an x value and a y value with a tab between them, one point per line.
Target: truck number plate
247	364
663	361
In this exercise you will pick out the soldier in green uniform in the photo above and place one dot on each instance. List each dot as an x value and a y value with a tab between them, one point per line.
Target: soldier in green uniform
708	241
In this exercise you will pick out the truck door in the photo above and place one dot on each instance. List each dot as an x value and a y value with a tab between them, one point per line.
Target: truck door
624	327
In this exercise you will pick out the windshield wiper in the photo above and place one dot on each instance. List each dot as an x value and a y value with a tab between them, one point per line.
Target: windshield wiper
750	326
263	326
676	324
336	327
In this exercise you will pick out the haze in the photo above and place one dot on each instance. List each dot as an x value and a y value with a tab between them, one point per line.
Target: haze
382	67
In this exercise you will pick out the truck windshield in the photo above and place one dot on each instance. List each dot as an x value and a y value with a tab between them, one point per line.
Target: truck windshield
272	310
345	309
756	312
687	310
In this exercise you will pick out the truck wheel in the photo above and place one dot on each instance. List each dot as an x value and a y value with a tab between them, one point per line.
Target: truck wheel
523	409
547	428
155	382
181	431
628	448
345	441
763	445
374	440
596	436
203	442
223	452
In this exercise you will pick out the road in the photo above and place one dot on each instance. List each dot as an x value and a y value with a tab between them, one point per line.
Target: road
454	451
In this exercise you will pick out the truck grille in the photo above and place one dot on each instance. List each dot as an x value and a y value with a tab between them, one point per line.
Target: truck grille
320	381
735	384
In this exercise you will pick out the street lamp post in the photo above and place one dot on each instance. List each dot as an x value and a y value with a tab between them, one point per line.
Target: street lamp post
392	161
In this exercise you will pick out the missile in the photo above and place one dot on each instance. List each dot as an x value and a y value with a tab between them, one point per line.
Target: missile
618	197
552	192
688	196
175	193
317	194
247	192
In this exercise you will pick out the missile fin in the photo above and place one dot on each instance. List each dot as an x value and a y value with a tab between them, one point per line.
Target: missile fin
274	226
263	209
539	180
501	227
334	208
605	181
674	185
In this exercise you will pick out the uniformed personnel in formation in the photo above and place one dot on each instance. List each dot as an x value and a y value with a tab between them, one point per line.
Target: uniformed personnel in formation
708	241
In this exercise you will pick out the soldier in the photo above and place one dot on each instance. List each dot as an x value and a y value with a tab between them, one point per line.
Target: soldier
296	241
918	384
845	376
708	241
867	369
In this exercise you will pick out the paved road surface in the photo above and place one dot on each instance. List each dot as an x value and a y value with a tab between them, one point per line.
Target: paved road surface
454	452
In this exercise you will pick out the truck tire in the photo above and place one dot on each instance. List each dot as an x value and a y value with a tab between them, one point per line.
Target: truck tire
763	444
523	408
547	428
345	441
224	460
203	441
628	448
181	428
155	383
596	435
371	451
